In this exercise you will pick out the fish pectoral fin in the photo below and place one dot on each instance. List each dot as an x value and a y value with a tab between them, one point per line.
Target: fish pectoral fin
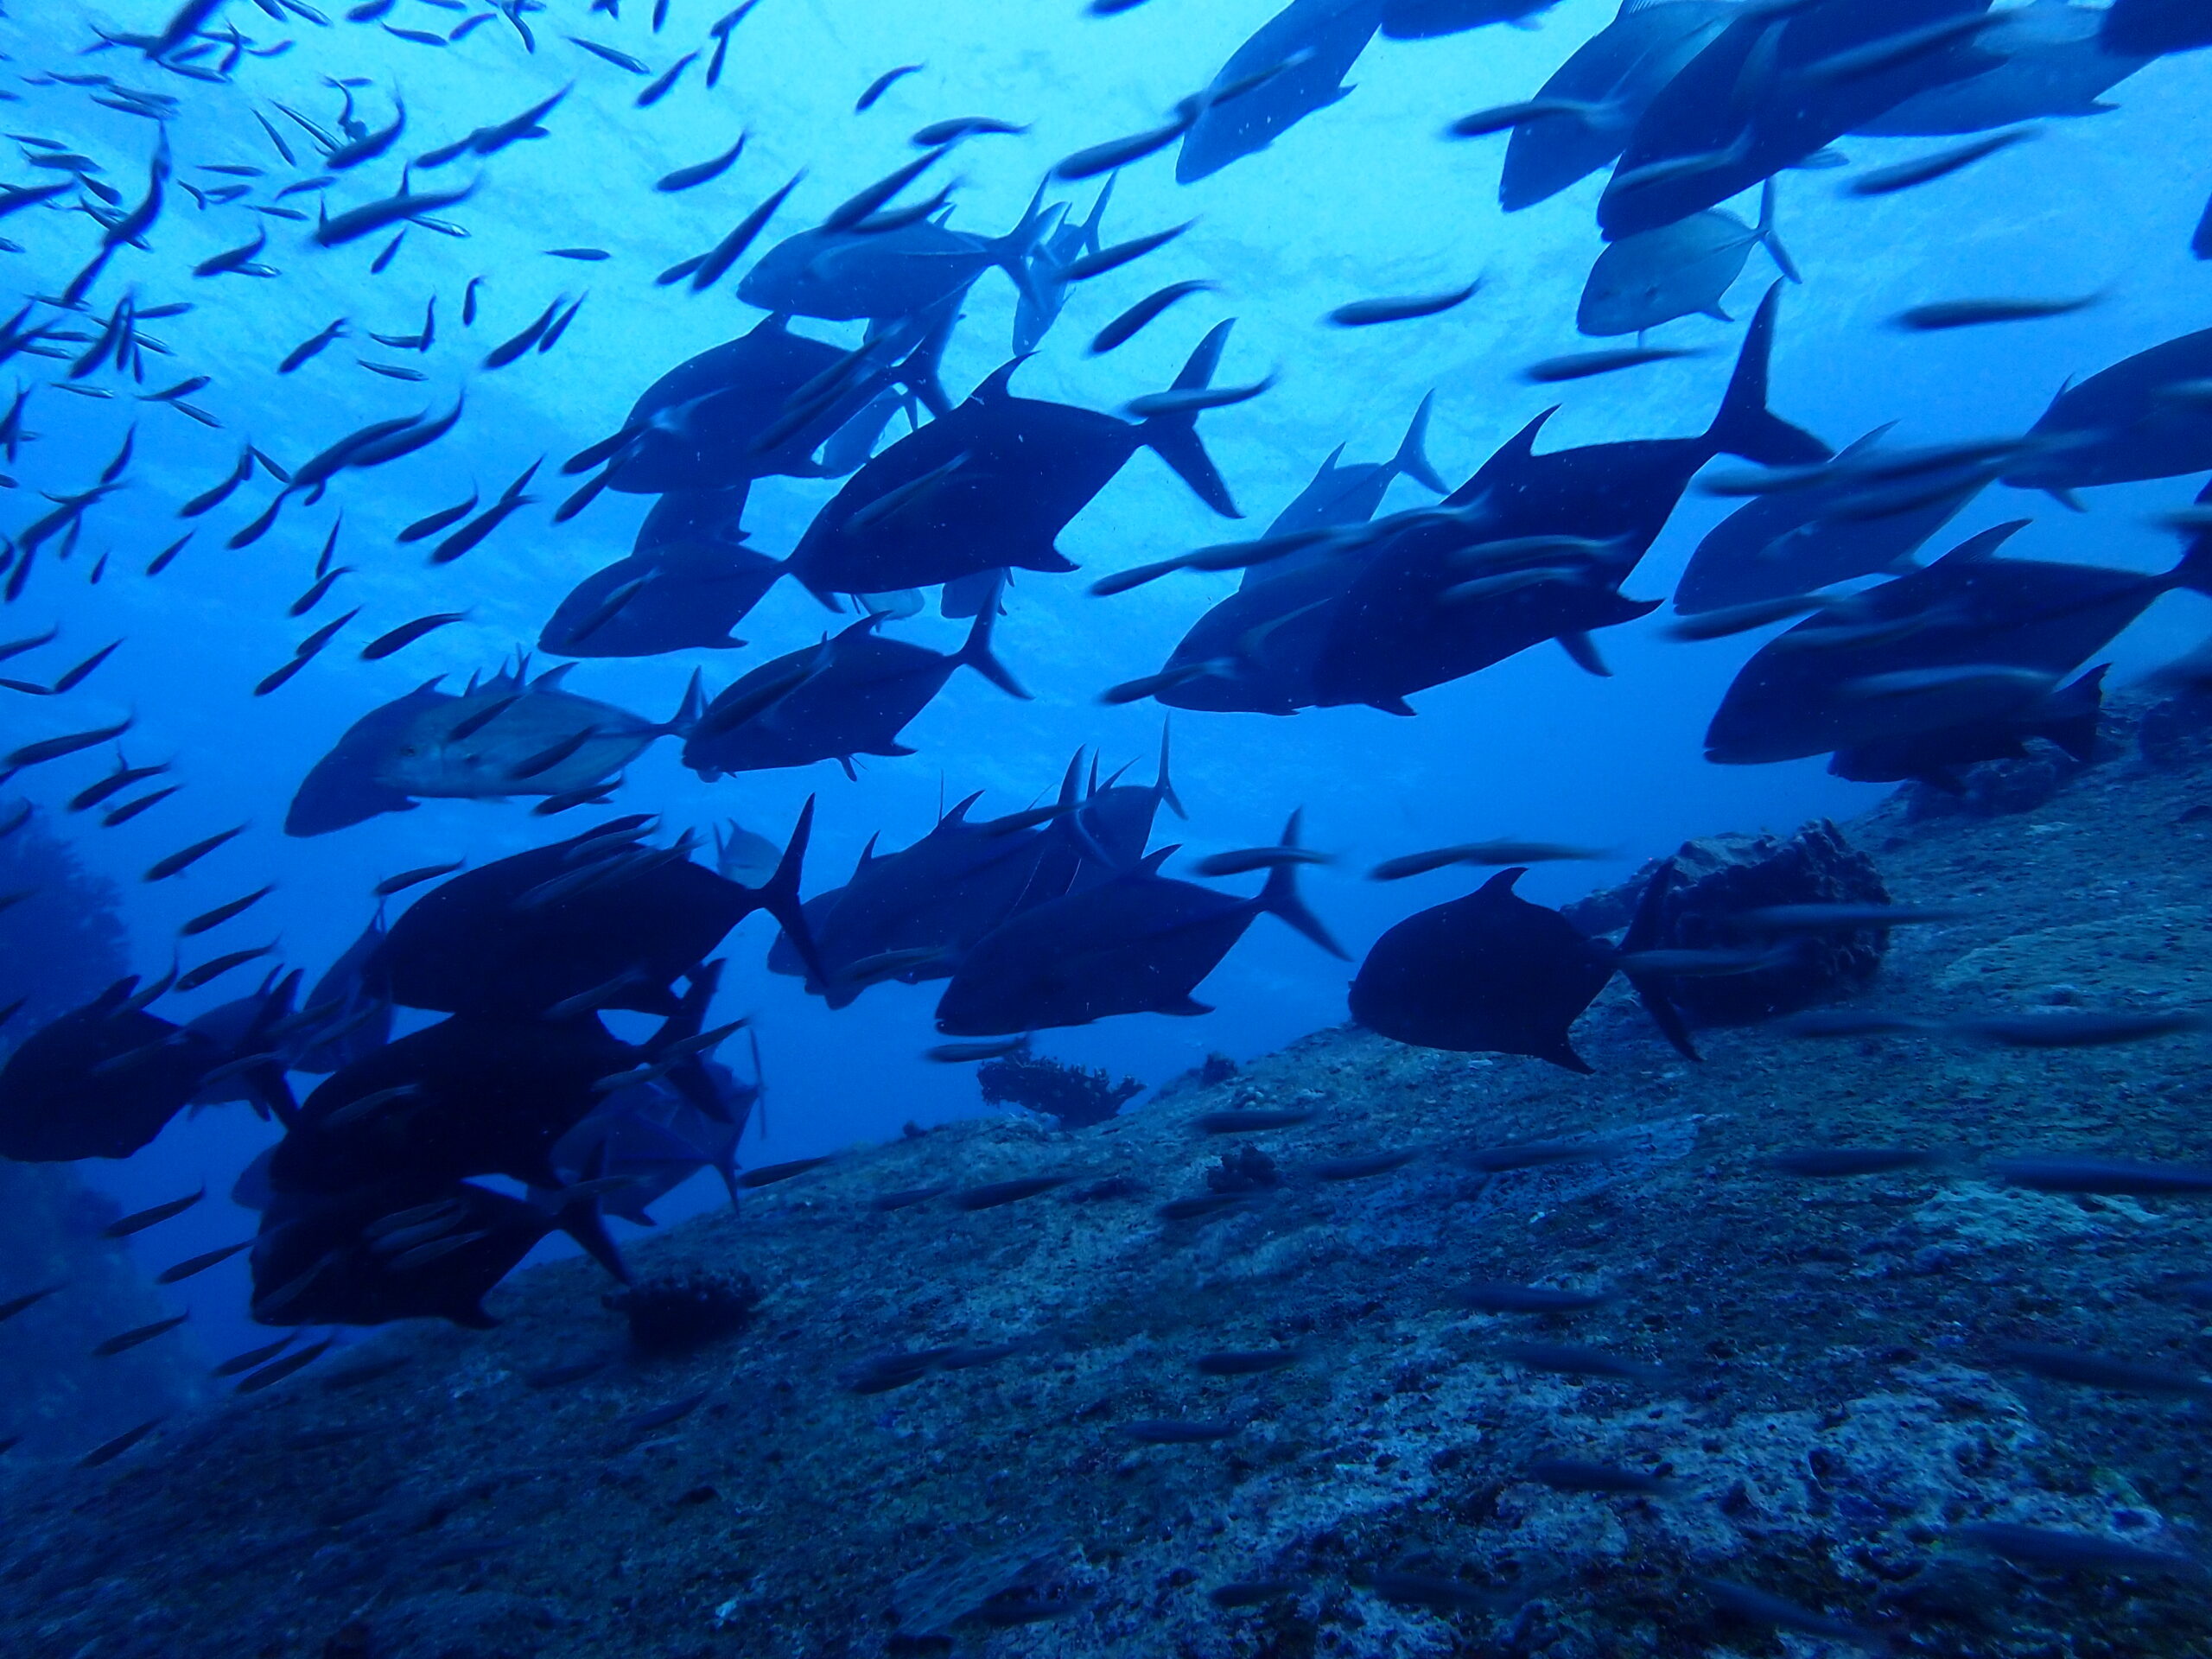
1584	650
1185	1007
1392	706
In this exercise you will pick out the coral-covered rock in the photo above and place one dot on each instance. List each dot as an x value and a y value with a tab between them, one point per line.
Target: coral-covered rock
1719	877
1071	1096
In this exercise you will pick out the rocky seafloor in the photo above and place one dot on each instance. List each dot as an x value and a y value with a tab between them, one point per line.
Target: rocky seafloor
1818	1377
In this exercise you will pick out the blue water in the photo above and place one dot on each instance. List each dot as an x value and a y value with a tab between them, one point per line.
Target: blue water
1362	199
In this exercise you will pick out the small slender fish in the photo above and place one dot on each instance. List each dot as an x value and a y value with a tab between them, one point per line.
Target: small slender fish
2048	1547
365	1105
664	83
1238	1593
1362	1168
769	1174
17	647
1248	858
182	860
2078	1027
1494	1297
554	1376
1885	181
1133	321
254	1357
1974	314
718	259
1167	1431
992	1194
1834	1162
1758	1607
1195	400
298	1360
211	970
2063	1173
1581	365
661	1416
16	1305
109	1450
408	632
1245	1362
76	677
1482	853
130	1339
905	1199
1536	1155
55	748
194	1264
1365	313
1085	266
433	523
1573	1475
140	1221
1247	1121
619	60
1205	1205
1565	1359
292	358
508	350
407	879
1427	1590
586	255
314	595
685	178
882	1373
552	336
130	809
2099	1370
1836	919
876	88
473	533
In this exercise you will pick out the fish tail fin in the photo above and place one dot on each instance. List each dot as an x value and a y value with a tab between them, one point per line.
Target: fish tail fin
1745	425
1412	459
2195	569
1161	783
2068	716
581	1220
1174	438
1651	989
687	712
917	372
1279	897
779	897
976	653
1772	237
1011	252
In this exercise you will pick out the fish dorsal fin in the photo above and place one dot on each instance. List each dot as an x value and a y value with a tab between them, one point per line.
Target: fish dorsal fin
1862	445
1499	887
959	814
1150	863
1071	791
868	624
998	386
868	853
1329	464
1515	452
1979	548
550	679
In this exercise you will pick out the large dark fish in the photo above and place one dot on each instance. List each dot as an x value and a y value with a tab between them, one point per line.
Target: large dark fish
994	483
493	941
2054	64
1492	973
1137	943
1769	91
2125	423
1800	695
346	786
689	581
1304	53
2154	28
843	275
1599	94
714	422
1349	493
857	692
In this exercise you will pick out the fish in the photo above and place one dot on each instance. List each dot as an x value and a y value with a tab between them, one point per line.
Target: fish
140	1220
290	1365
1481	853
992	1194
1940	315
882	84
770	1174
2100	1371
55	748
255	1357
1436	1593
1366	314
1829	1162
1926	170
1575	1475
1360	1168
193	1265
1247	1593
1131	322
1581	365
2078	1027
16	1305
408	632
1565	1359
184	858
1494	1297
1758	1607
1162	1431
1205	1206
1292	67
130	809
130	1339
2052	1547
1099	261
108	1450
2070	1173
208	971
1242	1362
699	173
